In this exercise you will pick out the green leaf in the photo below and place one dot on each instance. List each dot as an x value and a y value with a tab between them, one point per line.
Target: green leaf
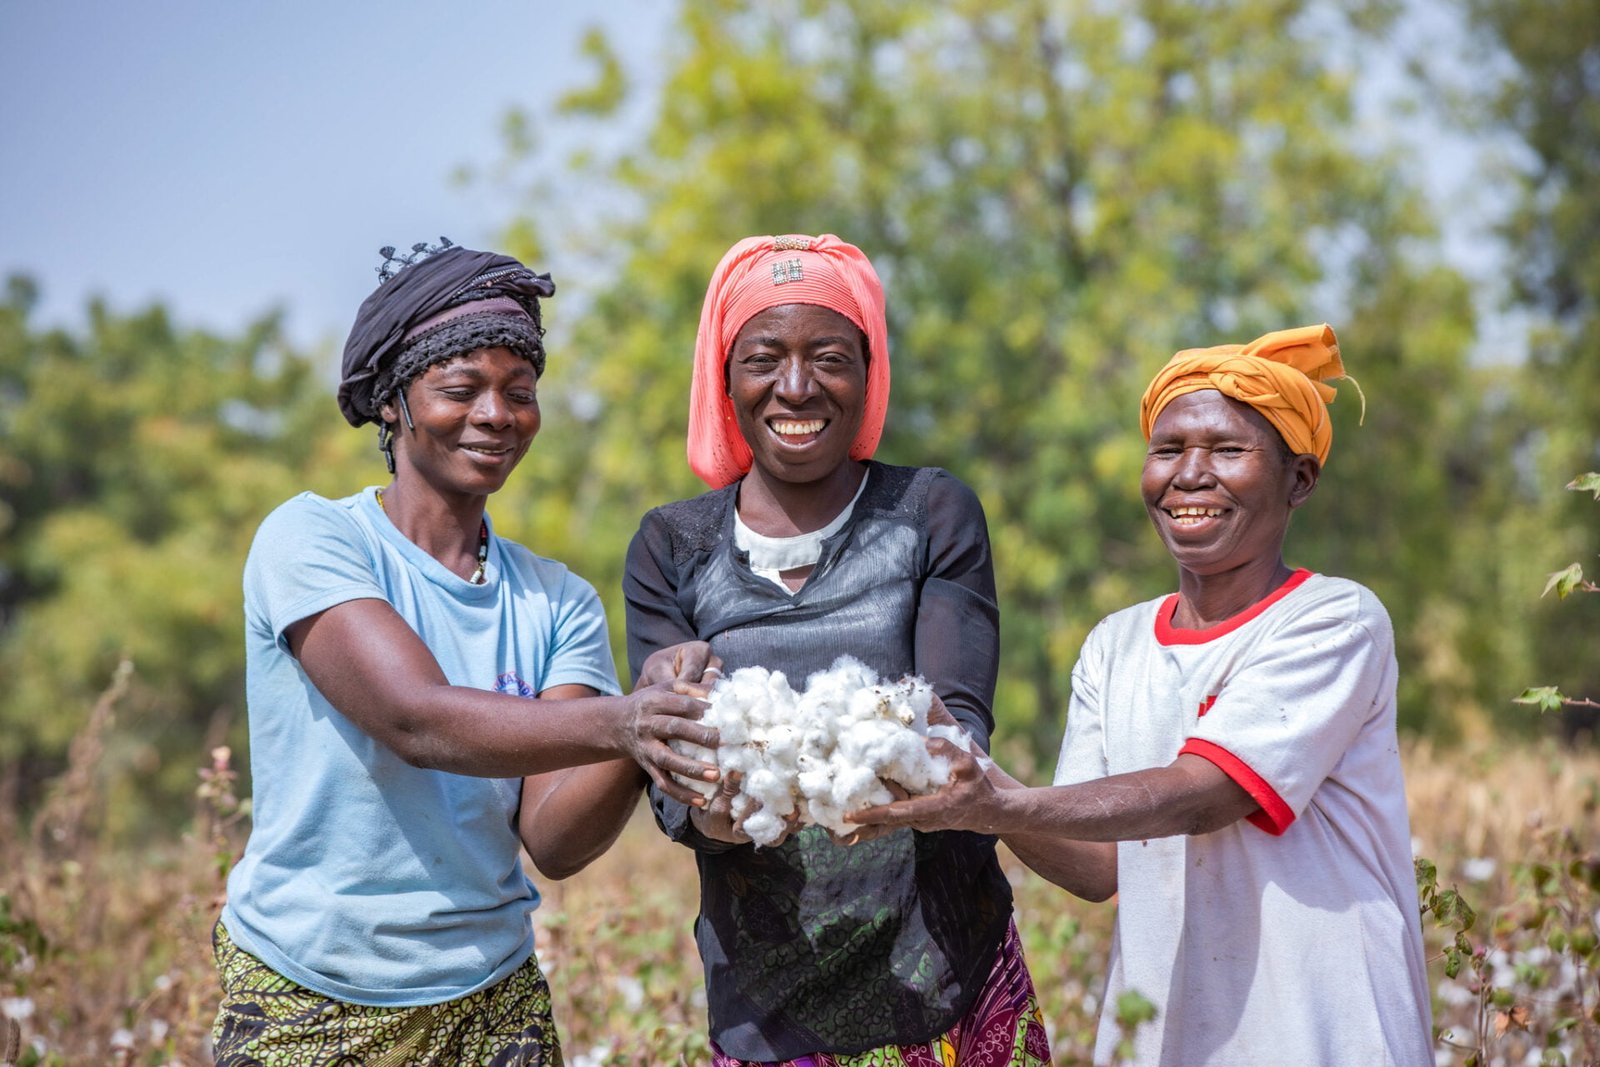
1427	872
1134	1008
1586	483
1460	911
1547	697
610	86
1564	581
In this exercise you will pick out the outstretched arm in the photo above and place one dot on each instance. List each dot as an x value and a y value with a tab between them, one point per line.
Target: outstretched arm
568	818
1086	869
1066	832
369	663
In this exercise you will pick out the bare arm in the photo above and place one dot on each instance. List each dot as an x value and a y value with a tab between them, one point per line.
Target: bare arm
1078	825
369	663
1190	795
1066	832
569	817
1086	869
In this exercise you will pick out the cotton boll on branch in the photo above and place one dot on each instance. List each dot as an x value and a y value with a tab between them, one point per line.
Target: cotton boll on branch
823	753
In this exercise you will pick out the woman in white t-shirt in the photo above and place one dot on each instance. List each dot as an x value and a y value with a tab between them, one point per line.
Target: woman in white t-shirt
1230	769
425	700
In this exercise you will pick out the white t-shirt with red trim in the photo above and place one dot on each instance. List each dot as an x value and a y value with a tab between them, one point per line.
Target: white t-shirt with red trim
1292	936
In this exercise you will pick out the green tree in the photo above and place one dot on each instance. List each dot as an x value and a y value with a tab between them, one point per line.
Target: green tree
136	460
1547	102
1058	195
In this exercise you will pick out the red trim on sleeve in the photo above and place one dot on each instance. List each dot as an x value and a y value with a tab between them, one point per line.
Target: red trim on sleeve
1168	634
1274	816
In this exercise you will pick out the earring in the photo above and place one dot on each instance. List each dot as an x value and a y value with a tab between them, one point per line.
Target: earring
386	445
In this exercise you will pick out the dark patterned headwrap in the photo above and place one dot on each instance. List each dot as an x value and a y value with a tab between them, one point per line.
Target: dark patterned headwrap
432	305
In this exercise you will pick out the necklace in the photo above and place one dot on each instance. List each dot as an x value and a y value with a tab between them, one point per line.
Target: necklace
483	543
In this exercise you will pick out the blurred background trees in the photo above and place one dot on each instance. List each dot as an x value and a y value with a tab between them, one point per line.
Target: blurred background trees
135	462
1058	196
1548	106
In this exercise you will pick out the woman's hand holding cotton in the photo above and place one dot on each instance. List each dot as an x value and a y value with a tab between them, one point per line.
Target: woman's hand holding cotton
813	757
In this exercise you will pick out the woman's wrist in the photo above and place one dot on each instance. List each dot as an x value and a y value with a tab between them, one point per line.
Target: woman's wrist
622	715
1007	806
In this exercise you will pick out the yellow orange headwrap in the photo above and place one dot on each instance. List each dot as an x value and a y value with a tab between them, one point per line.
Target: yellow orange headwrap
763	272
1280	374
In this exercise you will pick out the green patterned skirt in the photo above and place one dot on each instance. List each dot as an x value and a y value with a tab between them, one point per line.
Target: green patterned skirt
268	1020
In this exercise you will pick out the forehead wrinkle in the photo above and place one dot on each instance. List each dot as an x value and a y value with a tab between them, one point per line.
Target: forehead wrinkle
1193	411
765	341
466	365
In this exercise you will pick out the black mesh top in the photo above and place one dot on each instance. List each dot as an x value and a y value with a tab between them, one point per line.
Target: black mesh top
811	946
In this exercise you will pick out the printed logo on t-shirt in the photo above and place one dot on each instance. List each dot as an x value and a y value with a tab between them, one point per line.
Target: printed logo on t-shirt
510	683
1205	705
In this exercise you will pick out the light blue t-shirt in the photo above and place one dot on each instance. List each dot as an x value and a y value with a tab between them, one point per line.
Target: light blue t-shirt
365	878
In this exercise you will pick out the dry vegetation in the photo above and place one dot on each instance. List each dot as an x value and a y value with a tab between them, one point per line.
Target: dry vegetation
105	954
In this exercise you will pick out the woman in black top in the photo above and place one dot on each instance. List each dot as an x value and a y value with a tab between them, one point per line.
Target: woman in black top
898	949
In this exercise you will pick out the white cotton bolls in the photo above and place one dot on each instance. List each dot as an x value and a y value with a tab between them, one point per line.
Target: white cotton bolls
825	752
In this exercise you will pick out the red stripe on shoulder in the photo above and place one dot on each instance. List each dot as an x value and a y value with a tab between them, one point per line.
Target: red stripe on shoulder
1168	634
1274	816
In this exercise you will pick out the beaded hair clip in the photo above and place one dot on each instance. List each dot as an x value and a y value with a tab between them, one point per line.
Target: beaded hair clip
393	264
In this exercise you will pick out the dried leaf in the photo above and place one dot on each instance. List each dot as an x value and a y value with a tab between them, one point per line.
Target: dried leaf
1514	1019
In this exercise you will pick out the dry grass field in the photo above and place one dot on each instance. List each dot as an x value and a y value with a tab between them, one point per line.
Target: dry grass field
105	955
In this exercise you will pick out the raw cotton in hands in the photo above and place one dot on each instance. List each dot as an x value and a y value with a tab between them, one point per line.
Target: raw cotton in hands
823	753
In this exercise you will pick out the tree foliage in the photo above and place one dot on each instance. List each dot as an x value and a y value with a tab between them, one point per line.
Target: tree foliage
1547	101
1058	195
136	460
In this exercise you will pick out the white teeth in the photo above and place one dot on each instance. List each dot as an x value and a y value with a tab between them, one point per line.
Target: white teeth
795	429
487	451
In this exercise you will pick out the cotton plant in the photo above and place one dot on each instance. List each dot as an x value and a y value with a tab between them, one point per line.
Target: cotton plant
817	755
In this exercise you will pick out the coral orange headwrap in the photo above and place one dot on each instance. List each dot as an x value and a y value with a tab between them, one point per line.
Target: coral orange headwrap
1280	374
764	272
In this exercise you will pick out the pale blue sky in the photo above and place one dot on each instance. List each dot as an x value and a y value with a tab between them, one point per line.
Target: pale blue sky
230	157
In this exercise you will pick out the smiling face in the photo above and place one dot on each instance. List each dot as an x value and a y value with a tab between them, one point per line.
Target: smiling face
475	417
1219	485
797	375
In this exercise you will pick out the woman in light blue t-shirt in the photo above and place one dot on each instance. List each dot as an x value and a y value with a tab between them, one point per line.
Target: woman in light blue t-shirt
425	701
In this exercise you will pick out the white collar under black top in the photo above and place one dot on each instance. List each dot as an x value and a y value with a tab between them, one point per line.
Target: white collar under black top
770	556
